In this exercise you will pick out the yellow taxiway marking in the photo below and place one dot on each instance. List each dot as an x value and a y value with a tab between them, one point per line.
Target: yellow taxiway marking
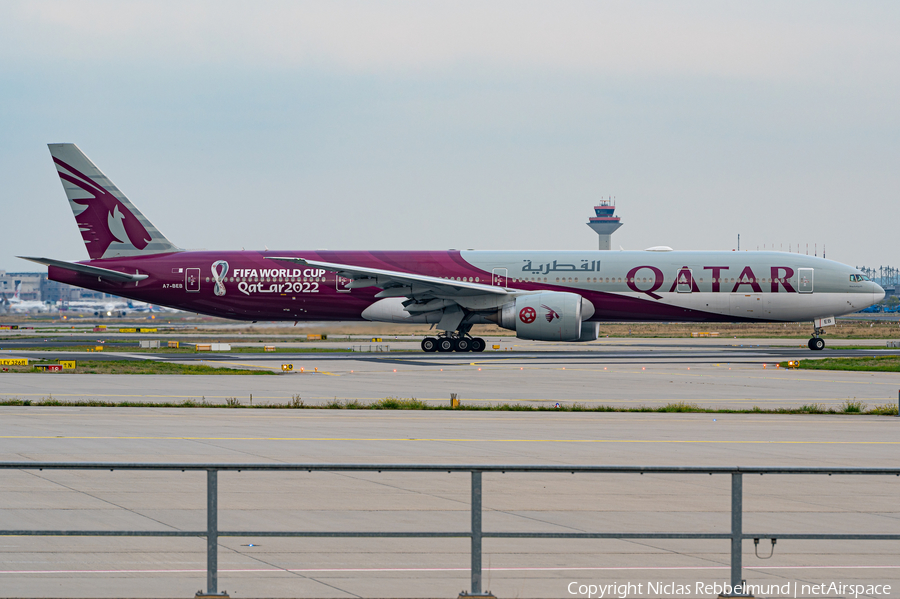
739	372
269	367
238	364
450	440
489	366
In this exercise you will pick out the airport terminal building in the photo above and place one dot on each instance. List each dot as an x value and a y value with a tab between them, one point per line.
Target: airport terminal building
35	286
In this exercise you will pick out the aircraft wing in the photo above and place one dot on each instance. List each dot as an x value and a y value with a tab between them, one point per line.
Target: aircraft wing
95	271
399	284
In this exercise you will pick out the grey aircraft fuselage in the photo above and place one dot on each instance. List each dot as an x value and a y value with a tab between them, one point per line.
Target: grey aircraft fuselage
653	285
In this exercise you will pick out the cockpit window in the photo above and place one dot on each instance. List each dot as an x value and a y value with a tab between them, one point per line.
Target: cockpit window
859	278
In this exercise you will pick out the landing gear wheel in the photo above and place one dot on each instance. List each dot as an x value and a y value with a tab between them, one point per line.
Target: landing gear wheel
429	344
463	344
477	344
444	344
816	344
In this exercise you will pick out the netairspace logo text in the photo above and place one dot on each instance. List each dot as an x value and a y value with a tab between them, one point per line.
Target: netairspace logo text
629	589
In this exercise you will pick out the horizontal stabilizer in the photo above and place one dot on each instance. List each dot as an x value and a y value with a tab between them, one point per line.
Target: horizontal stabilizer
95	271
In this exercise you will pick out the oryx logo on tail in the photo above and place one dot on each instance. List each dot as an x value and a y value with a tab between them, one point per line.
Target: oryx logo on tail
109	223
104	219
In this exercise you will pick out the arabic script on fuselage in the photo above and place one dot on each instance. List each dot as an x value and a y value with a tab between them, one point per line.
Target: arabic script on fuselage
557	266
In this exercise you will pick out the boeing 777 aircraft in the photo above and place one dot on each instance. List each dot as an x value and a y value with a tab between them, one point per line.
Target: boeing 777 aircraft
541	295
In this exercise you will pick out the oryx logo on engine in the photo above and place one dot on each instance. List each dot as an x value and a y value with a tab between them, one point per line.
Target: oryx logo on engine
551	313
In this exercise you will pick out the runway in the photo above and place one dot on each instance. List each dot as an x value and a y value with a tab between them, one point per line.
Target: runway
633	373
112	567
744	379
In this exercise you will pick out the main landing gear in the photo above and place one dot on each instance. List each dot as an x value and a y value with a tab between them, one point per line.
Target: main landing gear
446	343
816	343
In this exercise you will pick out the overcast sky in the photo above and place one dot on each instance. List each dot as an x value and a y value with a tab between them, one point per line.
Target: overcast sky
489	125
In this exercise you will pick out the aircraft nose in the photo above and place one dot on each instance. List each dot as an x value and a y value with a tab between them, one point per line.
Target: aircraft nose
879	294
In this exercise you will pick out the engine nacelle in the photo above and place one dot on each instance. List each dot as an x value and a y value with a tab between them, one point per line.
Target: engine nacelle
548	316
590	331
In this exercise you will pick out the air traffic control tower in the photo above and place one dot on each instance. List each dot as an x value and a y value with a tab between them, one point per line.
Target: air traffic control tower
605	223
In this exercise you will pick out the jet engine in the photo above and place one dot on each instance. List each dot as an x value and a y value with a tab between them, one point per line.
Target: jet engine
547	316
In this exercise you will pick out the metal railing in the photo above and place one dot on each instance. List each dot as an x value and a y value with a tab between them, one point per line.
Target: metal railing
476	533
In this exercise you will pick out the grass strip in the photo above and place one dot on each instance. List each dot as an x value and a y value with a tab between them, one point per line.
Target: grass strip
396	403
865	364
130	348
141	367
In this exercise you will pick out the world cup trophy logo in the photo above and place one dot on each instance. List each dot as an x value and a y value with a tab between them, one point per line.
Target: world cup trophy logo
219	270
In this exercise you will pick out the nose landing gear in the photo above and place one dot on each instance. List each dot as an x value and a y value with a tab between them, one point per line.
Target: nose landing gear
816	343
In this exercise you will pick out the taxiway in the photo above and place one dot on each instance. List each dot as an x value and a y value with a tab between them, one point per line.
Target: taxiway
141	567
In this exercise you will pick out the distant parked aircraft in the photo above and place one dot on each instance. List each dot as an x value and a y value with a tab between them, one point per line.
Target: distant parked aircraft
17	305
108	308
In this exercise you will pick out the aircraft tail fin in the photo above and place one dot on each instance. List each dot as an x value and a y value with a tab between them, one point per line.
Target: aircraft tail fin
109	223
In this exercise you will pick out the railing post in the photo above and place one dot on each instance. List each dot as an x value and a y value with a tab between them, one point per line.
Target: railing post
737	531
476	588
212	534
476	533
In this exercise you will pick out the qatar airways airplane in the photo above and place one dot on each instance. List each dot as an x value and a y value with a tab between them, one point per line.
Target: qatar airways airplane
541	295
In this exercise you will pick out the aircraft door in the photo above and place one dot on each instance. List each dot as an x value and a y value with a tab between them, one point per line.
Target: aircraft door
805	280
498	277
342	283
684	282
192	279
